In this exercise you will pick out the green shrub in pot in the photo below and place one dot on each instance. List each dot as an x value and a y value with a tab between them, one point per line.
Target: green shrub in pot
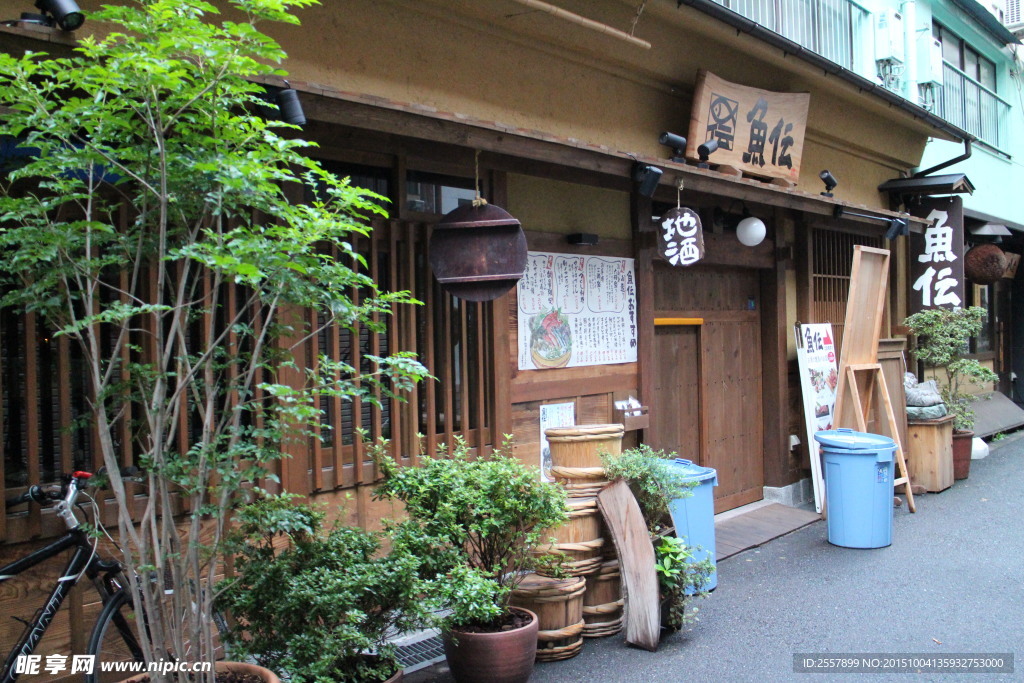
653	481
680	580
479	519
319	604
943	335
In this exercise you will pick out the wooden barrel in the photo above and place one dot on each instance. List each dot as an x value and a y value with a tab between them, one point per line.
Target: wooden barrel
558	604
602	602
576	455
580	539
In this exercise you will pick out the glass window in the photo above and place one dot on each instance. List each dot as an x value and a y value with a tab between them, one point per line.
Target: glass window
437	194
987	73
970	63
950	47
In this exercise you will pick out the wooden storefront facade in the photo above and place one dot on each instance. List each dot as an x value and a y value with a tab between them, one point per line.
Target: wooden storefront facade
414	100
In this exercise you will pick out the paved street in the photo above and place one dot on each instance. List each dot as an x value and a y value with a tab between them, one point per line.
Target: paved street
951	582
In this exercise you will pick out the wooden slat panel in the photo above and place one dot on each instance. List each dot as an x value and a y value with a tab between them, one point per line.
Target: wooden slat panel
675	418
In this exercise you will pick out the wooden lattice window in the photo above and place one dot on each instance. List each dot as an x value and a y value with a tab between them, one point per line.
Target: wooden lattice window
831	262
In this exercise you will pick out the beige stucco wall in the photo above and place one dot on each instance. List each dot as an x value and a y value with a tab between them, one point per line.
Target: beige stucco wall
554	206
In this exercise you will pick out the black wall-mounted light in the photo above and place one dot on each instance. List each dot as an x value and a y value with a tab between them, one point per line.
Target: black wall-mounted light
582	239
677	143
646	177
289	108
705	151
830	182
65	13
897	227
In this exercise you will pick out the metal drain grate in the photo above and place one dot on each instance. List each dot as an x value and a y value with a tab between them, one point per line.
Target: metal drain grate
420	654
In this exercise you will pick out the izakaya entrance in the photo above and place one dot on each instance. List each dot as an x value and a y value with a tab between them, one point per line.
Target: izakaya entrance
707	403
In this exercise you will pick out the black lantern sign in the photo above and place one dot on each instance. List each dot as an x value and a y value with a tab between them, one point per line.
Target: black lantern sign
680	238
478	251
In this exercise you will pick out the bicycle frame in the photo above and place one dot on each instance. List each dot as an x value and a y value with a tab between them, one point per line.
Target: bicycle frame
84	560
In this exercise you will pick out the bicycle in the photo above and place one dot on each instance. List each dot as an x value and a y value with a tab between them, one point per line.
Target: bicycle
113	636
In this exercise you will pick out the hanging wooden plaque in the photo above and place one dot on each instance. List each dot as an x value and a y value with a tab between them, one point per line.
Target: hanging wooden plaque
681	239
758	131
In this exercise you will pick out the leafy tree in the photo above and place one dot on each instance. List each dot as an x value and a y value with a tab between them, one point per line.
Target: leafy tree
150	223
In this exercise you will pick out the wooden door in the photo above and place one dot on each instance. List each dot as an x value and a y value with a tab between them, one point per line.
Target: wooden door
707	403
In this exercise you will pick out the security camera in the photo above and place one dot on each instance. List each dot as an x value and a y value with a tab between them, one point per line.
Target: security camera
677	143
64	12
706	150
830	182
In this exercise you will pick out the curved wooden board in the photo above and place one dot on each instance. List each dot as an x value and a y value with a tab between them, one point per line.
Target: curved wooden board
636	556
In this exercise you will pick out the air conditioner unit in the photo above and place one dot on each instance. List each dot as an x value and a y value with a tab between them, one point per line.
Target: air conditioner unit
1012	15
889	36
929	63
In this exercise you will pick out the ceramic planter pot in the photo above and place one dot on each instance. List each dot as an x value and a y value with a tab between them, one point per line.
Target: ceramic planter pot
502	657
266	674
962	442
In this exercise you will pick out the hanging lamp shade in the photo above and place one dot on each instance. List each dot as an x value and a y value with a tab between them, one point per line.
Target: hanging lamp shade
478	253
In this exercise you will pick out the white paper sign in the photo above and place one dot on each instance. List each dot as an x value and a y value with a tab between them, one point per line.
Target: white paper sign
551	416
576	310
819	378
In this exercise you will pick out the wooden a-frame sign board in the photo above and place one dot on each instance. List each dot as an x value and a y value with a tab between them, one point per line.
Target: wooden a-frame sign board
862	399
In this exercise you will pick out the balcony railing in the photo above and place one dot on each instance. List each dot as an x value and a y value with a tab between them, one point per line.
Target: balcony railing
831	28
968	104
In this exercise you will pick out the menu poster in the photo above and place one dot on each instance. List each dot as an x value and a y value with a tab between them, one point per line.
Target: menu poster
819	378
553	415
575	311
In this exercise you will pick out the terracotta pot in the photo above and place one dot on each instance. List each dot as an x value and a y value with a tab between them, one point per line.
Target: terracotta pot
502	657
962	454
266	674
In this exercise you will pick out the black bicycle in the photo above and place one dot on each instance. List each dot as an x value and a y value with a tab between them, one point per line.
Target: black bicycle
114	635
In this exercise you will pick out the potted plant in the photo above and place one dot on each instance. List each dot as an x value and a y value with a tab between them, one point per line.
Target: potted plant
655	484
480	521
681	577
942	340
149	221
319	604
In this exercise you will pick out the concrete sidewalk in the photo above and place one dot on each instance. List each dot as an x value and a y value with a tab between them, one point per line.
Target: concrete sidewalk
951	582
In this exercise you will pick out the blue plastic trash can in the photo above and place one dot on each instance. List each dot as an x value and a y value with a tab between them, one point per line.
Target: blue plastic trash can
694	516
858	471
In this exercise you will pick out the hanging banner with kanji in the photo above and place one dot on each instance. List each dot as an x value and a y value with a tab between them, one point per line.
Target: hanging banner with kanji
937	255
576	310
680	237
819	377
758	131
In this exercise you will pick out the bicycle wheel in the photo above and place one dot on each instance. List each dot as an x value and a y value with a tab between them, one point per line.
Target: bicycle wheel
114	642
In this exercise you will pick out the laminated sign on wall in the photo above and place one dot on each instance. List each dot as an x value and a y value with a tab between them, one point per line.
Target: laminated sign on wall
819	377
576	310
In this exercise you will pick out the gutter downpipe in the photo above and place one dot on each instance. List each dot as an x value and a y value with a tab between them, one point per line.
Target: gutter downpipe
955	160
741	23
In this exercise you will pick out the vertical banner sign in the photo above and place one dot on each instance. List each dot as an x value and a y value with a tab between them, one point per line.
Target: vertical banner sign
552	416
576	310
681	240
758	131
937	255
819	377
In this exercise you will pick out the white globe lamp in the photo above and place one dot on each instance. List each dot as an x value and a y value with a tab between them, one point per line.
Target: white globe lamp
751	231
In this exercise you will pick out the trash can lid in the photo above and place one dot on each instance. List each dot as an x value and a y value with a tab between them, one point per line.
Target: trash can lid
694	472
850	440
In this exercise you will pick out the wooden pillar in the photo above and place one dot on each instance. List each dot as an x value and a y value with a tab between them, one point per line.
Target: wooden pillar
644	249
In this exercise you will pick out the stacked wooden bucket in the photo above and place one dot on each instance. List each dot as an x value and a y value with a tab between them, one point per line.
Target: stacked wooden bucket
588	604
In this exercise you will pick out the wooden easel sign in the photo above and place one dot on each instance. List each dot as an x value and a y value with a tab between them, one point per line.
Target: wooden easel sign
862	400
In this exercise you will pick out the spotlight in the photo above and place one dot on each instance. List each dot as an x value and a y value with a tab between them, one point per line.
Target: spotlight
64	12
677	143
830	182
706	150
646	177
897	227
291	108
